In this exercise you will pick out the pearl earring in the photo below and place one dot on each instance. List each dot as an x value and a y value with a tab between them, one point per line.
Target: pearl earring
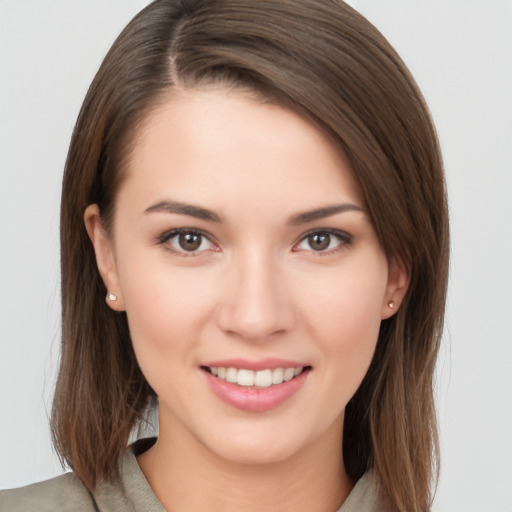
391	304
111	297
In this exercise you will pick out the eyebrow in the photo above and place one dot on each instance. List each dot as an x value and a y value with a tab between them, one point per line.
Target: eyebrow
209	215
322	213
184	209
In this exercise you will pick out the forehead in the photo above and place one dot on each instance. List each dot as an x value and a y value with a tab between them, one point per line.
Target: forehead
202	143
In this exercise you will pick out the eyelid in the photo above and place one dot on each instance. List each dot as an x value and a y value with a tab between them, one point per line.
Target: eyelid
168	235
345	239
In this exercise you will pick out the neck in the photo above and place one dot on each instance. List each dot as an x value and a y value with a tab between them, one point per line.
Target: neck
187	476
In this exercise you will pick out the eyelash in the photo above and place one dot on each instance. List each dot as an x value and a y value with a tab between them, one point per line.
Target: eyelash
169	235
344	238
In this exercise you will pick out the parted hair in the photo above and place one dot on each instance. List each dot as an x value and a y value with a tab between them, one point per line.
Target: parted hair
332	66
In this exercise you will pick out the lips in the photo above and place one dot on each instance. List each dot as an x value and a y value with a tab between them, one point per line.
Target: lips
255	386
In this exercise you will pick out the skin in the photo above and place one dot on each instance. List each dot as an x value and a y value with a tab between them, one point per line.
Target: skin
256	288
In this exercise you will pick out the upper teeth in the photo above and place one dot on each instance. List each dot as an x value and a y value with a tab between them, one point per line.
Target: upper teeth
259	379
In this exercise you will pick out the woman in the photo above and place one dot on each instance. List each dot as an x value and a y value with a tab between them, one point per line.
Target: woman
257	191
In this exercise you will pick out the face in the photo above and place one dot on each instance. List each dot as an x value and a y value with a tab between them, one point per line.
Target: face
252	279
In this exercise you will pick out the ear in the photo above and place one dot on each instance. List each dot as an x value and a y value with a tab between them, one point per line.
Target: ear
105	256
398	283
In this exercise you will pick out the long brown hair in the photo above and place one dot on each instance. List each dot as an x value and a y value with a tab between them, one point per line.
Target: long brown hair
328	63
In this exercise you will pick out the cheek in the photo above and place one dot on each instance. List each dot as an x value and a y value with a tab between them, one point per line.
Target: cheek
345	322
349	304
166	310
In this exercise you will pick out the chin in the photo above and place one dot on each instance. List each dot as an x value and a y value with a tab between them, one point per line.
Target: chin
262	445
257	453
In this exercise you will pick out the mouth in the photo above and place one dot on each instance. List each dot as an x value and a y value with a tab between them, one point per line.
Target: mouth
255	386
259	379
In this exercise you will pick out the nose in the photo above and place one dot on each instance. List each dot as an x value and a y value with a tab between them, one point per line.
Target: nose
255	302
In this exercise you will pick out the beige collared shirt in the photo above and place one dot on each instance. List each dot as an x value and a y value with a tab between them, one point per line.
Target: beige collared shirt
66	493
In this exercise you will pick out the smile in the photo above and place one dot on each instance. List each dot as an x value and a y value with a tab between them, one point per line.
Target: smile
258	379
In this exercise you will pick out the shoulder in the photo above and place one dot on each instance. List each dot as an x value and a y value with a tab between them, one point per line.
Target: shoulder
63	493
364	496
66	493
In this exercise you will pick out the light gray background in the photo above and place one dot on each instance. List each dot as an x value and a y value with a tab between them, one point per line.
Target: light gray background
460	52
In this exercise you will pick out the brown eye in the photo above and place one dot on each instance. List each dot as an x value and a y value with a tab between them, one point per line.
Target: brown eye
187	242
324	241
319	241
190	241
